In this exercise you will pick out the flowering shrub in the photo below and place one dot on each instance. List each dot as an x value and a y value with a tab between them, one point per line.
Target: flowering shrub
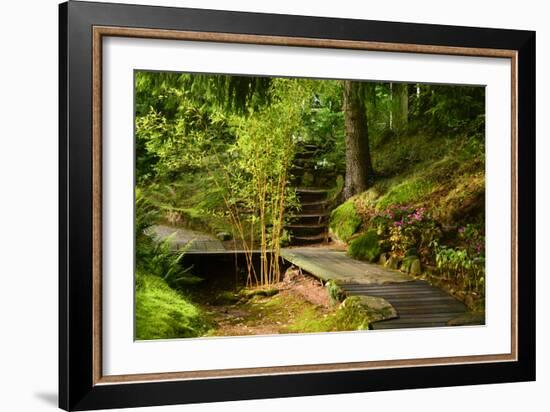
406	228
473	237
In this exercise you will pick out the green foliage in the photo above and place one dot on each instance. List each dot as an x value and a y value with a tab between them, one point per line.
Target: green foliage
464	264
455	108
156	257
163	313
217	153
335	292
256	178
184	202
366	246
345	221
168	147
461	267
323	127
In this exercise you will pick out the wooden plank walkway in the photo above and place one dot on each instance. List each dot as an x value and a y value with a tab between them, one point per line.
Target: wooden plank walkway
418	304
197	242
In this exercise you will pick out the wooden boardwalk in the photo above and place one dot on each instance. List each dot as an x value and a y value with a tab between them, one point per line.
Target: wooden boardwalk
196	242
418	304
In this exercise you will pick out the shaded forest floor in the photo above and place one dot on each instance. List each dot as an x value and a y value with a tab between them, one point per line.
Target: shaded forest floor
283	308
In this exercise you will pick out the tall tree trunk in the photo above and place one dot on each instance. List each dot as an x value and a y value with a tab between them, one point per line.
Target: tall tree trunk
358	161
400	105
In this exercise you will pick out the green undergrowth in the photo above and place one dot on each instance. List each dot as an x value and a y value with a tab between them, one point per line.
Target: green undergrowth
345	221
365	247
446	179
164	313
184	202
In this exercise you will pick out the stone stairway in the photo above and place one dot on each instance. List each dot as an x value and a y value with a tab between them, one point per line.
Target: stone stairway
310	224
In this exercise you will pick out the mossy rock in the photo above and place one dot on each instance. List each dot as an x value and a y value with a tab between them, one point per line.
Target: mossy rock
353	315
345	221
365	247
411	264
359	312
393	262
416	267
378	308
335	292
252	293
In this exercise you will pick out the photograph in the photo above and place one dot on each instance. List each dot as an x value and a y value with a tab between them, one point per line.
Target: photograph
277	205
259	205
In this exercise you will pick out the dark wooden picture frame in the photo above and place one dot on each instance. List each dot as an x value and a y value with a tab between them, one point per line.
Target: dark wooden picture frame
82	26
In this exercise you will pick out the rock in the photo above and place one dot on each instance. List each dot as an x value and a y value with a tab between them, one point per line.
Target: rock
377	308
223	236
416	267
251	293
393	262
366	246
335	292
291	274
411	264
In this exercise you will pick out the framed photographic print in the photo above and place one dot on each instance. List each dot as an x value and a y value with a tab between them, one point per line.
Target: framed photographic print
256	205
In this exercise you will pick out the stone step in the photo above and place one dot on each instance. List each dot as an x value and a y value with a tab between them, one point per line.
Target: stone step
309	215
306	226
313	238
311	190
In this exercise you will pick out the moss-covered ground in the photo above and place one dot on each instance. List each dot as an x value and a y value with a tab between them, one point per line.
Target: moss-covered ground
164	313
301	306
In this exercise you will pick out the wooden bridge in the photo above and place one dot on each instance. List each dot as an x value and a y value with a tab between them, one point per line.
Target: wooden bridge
418	304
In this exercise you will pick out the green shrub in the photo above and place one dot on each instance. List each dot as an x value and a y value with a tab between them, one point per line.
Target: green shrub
345	221
162	313
365	246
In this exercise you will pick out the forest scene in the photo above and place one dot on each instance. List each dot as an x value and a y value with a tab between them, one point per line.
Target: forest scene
268	205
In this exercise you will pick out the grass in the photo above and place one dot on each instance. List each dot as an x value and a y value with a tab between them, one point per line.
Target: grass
163	313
